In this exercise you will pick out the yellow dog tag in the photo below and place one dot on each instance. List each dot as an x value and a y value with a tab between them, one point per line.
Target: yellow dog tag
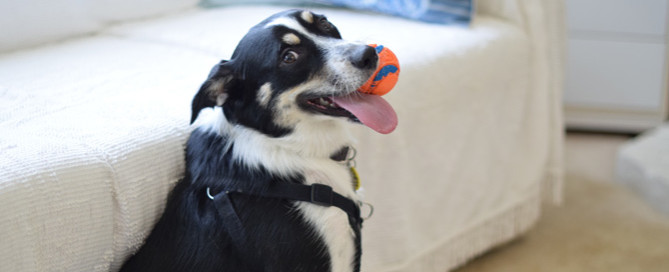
356	178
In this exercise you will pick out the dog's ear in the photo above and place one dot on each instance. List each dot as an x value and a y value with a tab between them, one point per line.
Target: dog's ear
213	91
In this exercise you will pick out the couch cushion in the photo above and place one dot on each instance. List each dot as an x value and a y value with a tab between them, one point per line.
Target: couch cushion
92	141
32	22
217	31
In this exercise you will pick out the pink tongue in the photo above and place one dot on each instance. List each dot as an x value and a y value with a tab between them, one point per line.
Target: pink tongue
371	110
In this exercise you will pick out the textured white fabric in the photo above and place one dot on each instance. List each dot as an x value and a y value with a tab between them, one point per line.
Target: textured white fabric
28	23
92	141
93	133
544	22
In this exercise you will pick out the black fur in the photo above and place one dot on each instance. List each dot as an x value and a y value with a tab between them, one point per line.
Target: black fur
189	236
255	68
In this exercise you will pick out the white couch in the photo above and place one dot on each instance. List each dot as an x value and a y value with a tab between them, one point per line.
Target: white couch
94	111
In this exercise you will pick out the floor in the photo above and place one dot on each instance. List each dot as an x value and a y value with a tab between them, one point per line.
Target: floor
600	227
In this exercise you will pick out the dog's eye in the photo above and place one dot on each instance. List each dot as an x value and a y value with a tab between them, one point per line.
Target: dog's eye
290	57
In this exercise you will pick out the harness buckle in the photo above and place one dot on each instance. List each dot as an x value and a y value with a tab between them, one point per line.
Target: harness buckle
321	195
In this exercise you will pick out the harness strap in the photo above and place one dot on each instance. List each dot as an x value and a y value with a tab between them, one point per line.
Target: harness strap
227	211
318	194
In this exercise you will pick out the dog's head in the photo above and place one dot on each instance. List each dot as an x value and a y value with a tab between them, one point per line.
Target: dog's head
294	69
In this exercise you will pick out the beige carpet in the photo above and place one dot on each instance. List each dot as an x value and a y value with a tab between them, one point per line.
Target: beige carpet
600	227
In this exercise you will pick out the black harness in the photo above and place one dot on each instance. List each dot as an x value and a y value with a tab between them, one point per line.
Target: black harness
318	194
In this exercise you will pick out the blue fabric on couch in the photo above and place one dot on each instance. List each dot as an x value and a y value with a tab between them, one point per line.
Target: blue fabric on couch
457	12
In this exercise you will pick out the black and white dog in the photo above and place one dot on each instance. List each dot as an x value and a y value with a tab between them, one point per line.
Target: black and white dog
265	186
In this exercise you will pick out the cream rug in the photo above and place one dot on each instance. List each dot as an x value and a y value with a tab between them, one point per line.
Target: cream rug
601	226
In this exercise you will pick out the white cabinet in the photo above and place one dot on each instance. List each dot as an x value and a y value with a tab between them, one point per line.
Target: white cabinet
617	64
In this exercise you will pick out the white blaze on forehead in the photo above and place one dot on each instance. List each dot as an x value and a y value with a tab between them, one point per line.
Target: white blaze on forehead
289	23
326	43
291	39
307	16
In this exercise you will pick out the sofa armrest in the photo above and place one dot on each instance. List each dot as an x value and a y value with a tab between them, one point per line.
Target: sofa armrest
544	23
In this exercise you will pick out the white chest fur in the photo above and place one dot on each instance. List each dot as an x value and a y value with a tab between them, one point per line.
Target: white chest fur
332	223
306	151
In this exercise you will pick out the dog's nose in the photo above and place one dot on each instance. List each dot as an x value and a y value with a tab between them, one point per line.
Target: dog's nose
364	57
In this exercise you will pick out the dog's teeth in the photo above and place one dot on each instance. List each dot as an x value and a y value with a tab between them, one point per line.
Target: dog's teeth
323	102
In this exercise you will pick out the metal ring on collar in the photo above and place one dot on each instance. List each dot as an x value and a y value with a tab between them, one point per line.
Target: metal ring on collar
371	210
209	194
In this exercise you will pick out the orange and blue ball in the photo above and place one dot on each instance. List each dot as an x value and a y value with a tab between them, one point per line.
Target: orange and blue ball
387	72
